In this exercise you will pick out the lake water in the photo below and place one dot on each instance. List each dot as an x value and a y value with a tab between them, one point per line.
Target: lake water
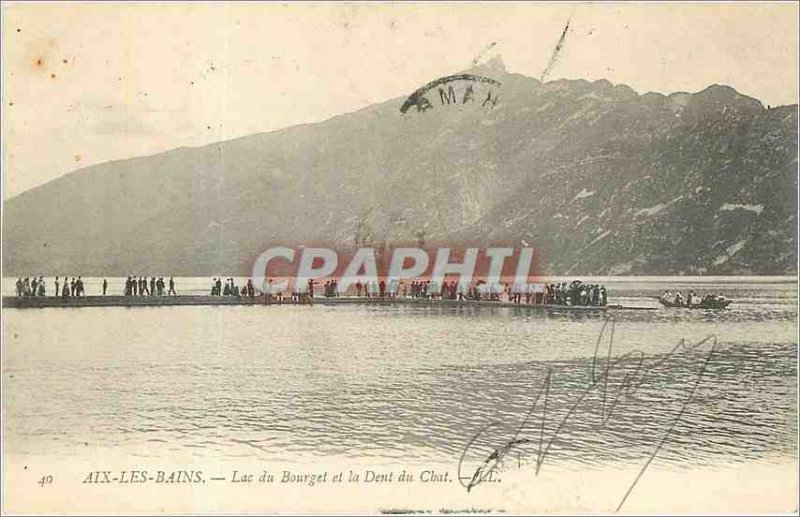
407	383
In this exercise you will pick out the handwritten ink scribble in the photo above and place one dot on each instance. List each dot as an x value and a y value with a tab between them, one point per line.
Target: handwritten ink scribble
613	390
556	52
483	53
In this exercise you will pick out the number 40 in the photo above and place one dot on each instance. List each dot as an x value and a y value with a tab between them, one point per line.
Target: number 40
46	480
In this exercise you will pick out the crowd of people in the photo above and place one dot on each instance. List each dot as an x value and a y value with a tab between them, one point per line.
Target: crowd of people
31	286
575	293
75	288
231	289
141	286
36	286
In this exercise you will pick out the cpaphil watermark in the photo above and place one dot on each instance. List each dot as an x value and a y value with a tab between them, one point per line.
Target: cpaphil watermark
398	268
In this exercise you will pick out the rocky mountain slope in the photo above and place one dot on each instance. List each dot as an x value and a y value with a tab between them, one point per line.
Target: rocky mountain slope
600	179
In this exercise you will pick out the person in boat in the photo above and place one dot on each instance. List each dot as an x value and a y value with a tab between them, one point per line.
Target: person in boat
105	286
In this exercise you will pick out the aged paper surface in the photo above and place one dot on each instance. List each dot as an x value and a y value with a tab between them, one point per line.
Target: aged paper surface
399	258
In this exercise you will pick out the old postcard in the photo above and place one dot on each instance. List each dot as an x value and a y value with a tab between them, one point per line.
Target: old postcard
406	258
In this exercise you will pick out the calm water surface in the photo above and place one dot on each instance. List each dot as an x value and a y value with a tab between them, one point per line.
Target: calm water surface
403	382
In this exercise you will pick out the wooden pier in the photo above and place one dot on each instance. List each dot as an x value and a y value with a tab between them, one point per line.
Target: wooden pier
35	302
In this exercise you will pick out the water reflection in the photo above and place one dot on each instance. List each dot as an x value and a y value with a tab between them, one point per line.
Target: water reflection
402	382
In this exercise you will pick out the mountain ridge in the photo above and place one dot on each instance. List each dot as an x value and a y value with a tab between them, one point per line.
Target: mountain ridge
454	172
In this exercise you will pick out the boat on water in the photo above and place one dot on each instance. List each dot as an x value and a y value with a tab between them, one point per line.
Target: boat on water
718	303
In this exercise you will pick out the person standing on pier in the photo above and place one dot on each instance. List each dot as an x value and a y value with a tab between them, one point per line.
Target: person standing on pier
57	291
172	291
72	287
105	286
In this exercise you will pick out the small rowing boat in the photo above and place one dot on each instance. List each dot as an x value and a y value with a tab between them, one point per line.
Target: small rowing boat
705	304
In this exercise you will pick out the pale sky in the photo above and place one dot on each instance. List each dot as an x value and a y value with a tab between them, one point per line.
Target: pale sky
87	83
